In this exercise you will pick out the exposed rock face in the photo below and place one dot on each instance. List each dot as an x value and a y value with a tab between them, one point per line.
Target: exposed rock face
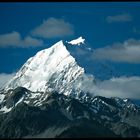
63	116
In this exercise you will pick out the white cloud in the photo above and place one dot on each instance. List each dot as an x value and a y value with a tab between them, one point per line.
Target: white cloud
124	17
4	78
14	39
128	51
52	28
123	87
85	83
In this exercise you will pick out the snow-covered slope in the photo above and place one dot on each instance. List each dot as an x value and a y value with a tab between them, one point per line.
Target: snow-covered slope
52	69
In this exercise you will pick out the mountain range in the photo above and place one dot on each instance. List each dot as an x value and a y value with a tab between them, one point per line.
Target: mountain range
49	97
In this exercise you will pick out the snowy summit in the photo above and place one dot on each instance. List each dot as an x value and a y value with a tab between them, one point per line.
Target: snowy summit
77	41
50	69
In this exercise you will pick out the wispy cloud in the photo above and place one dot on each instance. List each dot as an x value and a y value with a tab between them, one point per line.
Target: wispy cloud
124	17
123	87
128	51
14	39
52	28
4	78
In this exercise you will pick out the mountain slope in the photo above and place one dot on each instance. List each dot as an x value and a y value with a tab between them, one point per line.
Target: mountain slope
48	97
31	121
63	116
40	72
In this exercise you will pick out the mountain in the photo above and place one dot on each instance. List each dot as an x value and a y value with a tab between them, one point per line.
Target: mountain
39	72
50	70
63	116
48	98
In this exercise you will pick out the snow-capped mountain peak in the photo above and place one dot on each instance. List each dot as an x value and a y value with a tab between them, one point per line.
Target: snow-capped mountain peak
51	69
77	41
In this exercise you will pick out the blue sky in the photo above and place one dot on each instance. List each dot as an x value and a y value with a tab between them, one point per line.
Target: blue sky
90	20
112	29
